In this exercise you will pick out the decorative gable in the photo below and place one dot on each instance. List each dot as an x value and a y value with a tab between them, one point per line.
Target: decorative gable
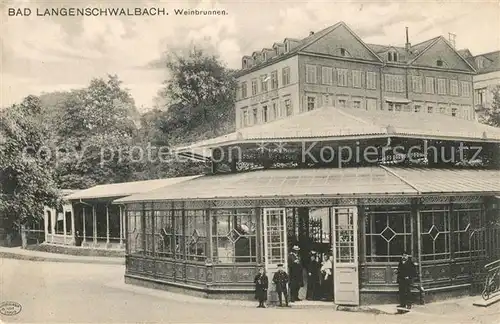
440	54
342	42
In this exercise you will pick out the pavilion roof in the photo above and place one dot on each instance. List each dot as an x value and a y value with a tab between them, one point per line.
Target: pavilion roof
343	123
125	188
333	182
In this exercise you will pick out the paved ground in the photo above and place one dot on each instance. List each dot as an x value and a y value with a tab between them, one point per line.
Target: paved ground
22	254
95	293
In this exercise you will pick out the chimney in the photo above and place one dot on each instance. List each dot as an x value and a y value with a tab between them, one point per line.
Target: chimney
311	33
407	45
451	39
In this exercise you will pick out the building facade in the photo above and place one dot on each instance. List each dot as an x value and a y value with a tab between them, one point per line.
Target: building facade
88	219
209	235
487	80
334	67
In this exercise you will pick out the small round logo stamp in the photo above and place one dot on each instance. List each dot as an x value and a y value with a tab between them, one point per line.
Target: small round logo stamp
10	308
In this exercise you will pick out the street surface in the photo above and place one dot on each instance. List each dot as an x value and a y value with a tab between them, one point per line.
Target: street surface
94	293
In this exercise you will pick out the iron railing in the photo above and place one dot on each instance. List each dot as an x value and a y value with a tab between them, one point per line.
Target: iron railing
484	261
492	281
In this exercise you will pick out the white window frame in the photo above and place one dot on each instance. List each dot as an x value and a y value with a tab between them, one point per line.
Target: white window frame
371	80
244	90
255	87
264	85
274	80
441	86
342	75
285	76
356	79
466	89
416	82
244	117
429	85
327	75
311	74
454	87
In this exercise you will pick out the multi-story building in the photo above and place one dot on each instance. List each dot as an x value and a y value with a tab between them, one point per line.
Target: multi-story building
334	67
487	78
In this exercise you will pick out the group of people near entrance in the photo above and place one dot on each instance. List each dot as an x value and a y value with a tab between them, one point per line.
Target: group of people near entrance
320	280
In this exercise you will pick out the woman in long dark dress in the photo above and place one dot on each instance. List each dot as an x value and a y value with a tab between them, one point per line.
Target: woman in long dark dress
261	284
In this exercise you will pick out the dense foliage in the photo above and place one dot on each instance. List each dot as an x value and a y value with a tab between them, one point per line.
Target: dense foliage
81	138
200	94
27	182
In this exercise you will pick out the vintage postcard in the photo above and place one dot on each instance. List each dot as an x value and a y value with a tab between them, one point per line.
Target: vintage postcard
249	161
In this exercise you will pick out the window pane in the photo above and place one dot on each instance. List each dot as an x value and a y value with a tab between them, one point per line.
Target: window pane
164	236
234	234
196	235
388	233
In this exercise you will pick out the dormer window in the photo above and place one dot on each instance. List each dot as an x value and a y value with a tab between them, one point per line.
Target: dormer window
343	52
287	47
264	56
277	50
392	56
439	63
480	63
245	63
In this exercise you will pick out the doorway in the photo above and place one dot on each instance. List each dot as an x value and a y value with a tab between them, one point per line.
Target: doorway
275	244
325	230
345	256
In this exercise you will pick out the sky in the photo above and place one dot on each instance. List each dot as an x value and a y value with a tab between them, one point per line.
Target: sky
45	54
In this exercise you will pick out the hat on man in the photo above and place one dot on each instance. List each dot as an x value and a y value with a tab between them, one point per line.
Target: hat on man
295	248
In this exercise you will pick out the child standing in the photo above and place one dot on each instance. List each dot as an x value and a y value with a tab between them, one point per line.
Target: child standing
261	285
281	279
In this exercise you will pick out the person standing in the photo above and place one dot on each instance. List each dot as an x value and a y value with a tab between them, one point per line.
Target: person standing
313	275
296	274
406	273
327	275
261	284
280	279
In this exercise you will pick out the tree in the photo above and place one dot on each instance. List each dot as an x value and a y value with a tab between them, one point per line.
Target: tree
95	132
492	113
200	93
27	183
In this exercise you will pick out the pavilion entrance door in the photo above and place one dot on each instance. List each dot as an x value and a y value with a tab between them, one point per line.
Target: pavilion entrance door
275	244
345	255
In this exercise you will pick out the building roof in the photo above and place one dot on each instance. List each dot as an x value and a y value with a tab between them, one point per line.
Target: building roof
302	43
337	182
282	183
428	180
340	123
125	188
492	65
415	51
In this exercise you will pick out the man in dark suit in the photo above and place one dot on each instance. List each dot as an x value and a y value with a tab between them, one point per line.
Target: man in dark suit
280	279
406	273
295	272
